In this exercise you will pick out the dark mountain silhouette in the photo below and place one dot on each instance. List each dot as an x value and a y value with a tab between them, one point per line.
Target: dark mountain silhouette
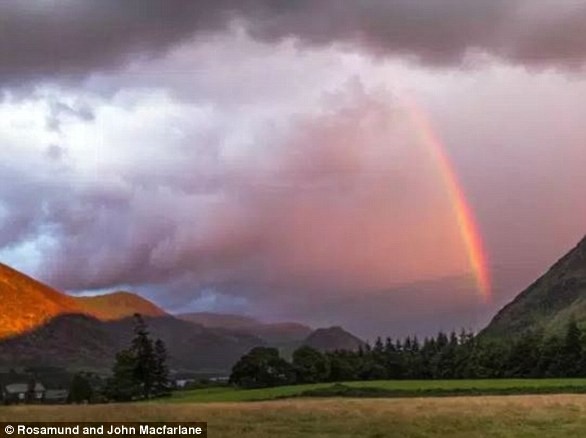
277	334
333	338
220	320
282	333
549	303
83	342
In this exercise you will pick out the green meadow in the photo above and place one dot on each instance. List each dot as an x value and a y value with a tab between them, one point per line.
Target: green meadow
385	389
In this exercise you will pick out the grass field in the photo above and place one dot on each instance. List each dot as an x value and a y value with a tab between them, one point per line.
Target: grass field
285	413
403	388
459	417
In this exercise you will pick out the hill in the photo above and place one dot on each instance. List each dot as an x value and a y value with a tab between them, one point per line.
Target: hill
287	336
83	342
118	305
333	338
276	334
282	333
26	303
220	320
549	303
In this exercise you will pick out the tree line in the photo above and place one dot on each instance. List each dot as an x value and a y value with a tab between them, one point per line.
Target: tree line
445	356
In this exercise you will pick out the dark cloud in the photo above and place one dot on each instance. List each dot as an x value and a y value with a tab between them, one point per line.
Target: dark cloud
39	40
45	40
433	31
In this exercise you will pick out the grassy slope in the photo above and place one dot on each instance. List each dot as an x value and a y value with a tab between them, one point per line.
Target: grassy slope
118	305
469	417
393	388
549	303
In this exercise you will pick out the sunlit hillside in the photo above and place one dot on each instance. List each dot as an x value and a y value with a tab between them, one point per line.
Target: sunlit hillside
27	304
118	305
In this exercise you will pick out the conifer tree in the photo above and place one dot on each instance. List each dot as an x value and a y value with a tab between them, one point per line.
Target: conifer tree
144	353
161	381
140	371
123	385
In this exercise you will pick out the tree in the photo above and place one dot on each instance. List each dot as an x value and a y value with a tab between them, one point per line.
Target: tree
571	361
524	357
262	367
412	359
140	371
80	389
310	365
144	352
371	370
343	365
393	359
550	354
123	385
161	383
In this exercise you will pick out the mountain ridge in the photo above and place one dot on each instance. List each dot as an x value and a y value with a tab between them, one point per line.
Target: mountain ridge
81	342
279	333
332	339
118	305
548	303
27	303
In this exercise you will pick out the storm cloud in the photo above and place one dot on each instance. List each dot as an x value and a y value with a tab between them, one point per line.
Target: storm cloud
74	38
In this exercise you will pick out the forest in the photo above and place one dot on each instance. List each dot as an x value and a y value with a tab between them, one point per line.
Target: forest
444	356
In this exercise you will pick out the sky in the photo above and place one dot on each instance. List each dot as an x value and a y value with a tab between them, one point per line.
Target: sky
261	157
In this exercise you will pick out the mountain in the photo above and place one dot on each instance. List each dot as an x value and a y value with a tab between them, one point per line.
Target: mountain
118	305
277	334
287	336
83	342
41	326
281	333
220	320
26	303
549	303
333	338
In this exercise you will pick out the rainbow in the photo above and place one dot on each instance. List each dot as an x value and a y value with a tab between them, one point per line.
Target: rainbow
462	210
